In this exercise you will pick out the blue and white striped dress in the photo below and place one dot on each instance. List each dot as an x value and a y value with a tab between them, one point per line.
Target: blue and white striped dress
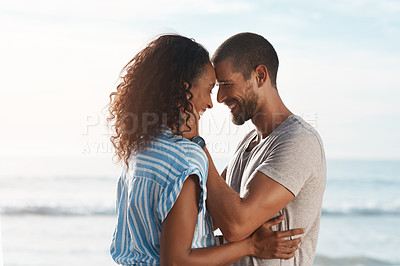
147	192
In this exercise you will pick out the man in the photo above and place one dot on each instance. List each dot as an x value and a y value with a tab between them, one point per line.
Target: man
278	168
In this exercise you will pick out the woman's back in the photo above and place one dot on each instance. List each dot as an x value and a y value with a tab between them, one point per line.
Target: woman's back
148	191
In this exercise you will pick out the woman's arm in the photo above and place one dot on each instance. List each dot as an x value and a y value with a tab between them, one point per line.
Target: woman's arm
178	229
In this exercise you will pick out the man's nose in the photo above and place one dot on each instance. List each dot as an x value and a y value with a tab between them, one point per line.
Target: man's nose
221	95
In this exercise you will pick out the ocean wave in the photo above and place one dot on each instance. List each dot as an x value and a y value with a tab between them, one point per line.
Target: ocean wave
351	182
58	178
57	210
362	211
110	210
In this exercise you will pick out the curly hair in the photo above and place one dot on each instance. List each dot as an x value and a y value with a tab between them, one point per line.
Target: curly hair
154	91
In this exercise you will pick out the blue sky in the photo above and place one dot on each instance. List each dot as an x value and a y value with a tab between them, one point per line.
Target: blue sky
339	68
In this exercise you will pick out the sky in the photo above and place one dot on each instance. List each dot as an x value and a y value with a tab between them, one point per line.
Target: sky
60	60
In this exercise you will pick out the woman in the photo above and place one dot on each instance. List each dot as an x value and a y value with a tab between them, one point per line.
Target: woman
161	201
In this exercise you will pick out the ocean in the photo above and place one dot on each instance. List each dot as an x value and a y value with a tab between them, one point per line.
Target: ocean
59	212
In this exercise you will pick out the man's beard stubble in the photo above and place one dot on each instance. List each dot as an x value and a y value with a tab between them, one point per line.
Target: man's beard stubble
248	108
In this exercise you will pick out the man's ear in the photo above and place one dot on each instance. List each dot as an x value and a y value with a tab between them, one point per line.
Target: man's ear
261	75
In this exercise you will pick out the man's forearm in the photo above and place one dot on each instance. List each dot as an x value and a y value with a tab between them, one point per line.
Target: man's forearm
225	206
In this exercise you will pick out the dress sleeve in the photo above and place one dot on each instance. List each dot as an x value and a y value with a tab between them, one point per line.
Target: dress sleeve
197	165
293	161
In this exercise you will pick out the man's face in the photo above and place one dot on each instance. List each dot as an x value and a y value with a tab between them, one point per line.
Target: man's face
236	92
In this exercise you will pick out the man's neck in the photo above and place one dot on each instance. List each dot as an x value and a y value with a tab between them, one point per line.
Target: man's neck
270	115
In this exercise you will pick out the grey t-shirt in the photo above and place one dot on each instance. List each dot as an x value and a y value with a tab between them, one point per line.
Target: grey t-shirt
293	156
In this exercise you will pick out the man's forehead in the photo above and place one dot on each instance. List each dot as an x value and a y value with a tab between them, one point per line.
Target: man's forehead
226	76
223	71
224	64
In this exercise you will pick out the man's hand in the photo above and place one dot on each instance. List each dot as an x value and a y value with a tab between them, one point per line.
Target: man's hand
270	244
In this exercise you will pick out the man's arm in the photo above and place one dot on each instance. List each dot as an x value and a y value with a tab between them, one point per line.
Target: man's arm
178	228
223	174
238	217
215	224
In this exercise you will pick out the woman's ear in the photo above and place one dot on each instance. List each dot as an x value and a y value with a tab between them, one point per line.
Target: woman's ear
186	85
188	95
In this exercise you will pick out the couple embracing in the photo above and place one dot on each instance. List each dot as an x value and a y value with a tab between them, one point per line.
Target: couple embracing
170	197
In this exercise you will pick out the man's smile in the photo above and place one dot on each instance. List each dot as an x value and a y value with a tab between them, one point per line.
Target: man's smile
232	105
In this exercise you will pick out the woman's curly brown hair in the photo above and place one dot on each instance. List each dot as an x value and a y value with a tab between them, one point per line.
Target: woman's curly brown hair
154	91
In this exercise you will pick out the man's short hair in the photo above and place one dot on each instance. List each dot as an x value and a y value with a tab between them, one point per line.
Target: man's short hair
247	51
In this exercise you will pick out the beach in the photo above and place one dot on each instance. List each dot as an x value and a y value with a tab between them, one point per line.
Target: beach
69	220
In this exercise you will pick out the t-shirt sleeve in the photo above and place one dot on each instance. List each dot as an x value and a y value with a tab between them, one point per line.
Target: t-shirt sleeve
293	160
197	165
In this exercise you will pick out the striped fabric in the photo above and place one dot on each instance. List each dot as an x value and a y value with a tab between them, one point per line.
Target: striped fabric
147	192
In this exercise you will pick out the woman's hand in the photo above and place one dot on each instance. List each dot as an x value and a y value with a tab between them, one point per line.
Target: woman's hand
270	244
